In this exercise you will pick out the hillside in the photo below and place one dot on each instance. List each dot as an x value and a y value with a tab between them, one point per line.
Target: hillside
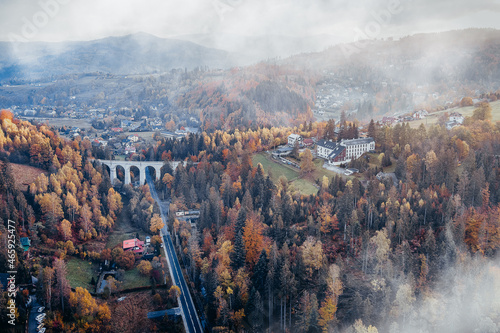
368	80
374	78
132	54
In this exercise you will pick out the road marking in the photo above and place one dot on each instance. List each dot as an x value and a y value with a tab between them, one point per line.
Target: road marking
170	253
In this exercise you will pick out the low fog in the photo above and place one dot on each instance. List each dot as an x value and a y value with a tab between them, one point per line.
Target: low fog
227	24
465	299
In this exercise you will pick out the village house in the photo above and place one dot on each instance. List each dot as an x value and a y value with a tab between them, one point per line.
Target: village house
456	117
130	149
135	245
345	150
133	138
420	114
308	142
293	138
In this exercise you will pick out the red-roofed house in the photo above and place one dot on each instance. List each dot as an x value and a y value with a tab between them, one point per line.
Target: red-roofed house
134	245
308	142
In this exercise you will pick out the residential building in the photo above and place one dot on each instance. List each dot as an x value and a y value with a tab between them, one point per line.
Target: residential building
135	245
456	117
345	150
133	138
420	114
293	138
324	148
284	151
130	149
308	142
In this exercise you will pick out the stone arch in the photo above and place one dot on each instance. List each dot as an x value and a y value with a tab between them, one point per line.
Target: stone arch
107	168
135	174
153	172
120	173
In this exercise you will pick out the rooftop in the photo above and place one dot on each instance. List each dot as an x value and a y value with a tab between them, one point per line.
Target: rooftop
357	141
327	144
131	243
336	151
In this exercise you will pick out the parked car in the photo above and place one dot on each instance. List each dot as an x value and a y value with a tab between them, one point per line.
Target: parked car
40	309
42	330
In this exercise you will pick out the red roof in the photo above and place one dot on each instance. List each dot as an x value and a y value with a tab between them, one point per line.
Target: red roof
130	243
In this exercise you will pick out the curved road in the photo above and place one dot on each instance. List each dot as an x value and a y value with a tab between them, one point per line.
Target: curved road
190	317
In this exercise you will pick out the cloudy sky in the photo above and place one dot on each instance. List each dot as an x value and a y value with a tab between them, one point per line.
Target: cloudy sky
346	20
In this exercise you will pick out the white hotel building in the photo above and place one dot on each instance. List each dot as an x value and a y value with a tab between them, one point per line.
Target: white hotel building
345	150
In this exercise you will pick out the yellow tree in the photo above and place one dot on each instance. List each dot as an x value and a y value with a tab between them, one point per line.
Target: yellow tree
82	303
327	314
71	204
86	218
50	204
328	222
306	162
252	239
174	292
145	267
312	255
156	223
329	306
114	203
65	229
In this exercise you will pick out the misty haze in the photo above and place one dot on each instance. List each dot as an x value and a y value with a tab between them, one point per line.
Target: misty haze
250	166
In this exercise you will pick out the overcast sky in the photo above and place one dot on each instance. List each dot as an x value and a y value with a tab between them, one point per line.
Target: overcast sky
58	20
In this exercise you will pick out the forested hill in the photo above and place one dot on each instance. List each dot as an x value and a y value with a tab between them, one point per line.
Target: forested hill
367	80
132	54
424	58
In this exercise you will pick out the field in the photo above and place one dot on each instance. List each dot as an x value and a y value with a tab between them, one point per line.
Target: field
134	279
24	175
80	273
466	111
123	230
60	122
305	185
277	170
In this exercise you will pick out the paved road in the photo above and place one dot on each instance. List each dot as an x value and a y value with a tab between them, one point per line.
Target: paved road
190	317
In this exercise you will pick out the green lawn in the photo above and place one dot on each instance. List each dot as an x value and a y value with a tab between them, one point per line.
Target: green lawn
277	169
305	186
134	279
466	111
80	273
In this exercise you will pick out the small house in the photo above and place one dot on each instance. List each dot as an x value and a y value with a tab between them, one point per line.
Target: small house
308	142
456	117
135	245
295	138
